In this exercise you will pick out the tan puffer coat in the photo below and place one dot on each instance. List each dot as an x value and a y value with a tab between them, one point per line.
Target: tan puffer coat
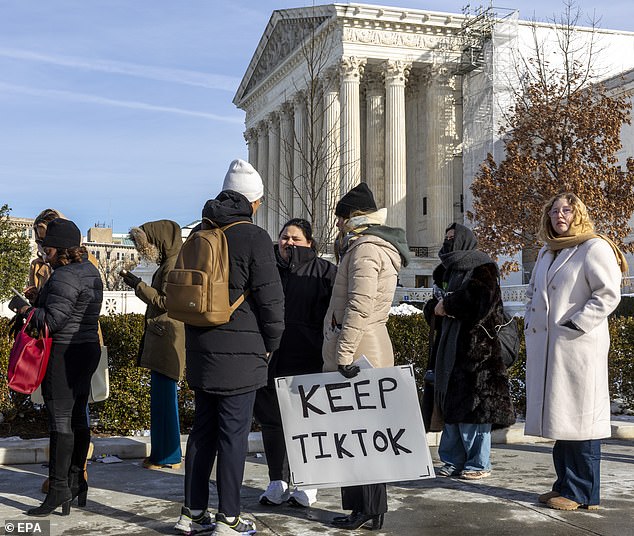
355	323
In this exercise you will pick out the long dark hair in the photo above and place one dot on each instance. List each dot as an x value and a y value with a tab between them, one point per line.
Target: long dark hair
305	226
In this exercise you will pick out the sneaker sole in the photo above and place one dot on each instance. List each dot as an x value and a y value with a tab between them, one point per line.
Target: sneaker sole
296	504
206	530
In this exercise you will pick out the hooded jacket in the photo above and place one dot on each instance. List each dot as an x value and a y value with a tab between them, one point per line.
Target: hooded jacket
307	281
355	323
231	358
163	345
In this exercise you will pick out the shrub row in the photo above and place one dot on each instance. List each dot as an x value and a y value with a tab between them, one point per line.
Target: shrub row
128	408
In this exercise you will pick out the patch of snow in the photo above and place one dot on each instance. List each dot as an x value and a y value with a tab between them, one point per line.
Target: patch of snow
405	309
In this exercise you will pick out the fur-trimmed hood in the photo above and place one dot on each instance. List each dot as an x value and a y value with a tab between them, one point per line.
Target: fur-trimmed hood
162	237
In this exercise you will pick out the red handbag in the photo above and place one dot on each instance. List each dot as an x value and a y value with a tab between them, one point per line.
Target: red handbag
28	360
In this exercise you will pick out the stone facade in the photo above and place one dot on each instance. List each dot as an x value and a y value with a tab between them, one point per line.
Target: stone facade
408	101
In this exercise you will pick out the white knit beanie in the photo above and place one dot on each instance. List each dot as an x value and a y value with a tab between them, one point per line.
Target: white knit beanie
244	179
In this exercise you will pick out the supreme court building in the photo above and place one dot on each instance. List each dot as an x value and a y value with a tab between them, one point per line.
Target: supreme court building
406	100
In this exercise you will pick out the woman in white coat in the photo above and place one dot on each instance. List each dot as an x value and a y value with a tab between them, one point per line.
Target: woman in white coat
575	285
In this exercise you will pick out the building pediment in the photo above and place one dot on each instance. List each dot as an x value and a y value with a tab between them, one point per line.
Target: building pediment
286	31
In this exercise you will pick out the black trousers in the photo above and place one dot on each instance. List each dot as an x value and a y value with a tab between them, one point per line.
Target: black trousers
370	499
267	413
66	385
221	428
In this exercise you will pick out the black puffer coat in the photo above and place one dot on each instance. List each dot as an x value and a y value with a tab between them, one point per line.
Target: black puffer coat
231	359
307	281
478	388
70	303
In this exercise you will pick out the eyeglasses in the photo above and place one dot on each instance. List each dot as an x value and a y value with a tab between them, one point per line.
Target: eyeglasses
566	211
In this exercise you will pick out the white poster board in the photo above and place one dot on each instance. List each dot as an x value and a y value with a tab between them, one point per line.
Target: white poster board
363	430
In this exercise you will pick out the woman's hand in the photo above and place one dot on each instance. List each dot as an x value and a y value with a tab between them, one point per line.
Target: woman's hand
439	310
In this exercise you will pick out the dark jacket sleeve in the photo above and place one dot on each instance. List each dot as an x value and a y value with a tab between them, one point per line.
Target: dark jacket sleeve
266	290
476	297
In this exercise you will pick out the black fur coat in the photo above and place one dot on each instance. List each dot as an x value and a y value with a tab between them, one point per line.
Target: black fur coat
478	388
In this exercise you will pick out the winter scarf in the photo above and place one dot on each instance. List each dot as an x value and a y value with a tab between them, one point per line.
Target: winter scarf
579	231
459	257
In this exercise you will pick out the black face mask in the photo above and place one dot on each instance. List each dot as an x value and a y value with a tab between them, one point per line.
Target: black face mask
447	246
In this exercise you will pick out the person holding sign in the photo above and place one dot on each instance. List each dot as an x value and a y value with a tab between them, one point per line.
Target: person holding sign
307	281
370	257
471	388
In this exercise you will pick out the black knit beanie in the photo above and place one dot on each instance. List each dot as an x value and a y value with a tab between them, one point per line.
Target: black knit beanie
360	199
62	234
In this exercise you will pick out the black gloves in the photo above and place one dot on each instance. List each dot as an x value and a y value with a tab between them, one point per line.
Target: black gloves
349	371
130	279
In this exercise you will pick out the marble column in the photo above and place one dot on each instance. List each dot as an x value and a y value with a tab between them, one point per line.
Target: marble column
273	174
415	127
261	216
375	136
395	143
287	145
351	69
251	137
332	166
440	145
299	156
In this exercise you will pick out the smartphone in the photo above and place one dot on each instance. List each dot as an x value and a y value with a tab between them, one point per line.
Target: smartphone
18	301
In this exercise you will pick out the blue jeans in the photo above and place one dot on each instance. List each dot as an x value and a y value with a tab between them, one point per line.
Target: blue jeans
466	447
578	468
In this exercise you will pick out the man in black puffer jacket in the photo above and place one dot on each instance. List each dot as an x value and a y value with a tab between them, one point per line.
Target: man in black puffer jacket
226	364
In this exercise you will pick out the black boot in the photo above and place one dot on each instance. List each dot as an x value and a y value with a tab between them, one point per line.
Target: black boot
77	473
357	520
78	485
59	494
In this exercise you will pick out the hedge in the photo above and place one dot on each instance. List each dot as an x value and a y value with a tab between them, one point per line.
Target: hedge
128	408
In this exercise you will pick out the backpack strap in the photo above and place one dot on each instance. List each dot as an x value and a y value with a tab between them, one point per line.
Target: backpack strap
242	297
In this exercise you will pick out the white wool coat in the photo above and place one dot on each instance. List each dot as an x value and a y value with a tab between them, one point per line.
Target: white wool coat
567	395
361	299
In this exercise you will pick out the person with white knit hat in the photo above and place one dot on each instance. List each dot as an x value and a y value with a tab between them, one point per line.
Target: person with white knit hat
244	179
227	364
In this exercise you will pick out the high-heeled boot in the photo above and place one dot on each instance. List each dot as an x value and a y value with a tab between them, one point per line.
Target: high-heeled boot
357	520
59	494
78	485
78	476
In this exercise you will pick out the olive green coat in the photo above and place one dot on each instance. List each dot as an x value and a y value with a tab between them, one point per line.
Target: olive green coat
163	346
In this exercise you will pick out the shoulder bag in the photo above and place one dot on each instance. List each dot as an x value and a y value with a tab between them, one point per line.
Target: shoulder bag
28	359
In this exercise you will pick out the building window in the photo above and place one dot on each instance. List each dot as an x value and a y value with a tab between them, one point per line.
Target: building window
97	254
424	206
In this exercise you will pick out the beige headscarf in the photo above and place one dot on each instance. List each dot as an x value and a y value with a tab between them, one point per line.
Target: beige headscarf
580	230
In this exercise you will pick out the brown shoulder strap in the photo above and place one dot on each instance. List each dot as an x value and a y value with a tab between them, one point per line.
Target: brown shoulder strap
232	224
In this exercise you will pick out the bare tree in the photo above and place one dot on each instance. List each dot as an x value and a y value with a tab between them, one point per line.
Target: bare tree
110	267
561	134
312	166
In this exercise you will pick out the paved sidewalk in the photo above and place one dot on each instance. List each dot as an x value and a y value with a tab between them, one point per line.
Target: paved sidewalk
124	498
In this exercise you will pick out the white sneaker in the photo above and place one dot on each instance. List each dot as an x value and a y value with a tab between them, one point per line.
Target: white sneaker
303	497
276	493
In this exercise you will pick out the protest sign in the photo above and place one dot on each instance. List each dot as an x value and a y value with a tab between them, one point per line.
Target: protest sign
362	430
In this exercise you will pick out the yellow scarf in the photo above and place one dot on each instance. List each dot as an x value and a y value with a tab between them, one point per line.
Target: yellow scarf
578	233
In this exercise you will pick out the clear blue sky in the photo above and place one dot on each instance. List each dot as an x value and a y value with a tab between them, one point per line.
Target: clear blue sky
120	112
